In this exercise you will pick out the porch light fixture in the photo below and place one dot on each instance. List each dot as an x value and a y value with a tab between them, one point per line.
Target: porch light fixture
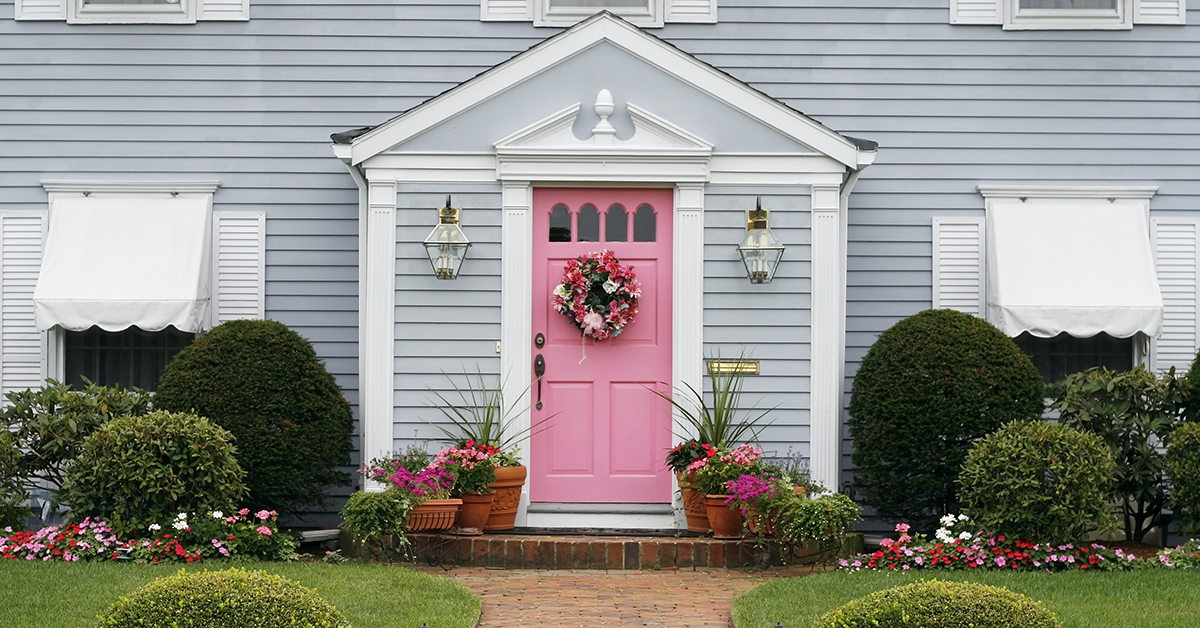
447	244
760	250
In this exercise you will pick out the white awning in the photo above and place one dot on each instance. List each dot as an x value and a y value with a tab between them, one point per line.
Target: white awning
1075	266
122	262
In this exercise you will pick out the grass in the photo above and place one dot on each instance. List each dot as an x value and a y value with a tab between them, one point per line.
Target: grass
1136	599
56	595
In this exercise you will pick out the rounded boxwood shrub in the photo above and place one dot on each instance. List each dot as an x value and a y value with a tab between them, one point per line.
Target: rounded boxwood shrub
1183	468
929	387
137	470
939	604
263	382
1040	481
231	598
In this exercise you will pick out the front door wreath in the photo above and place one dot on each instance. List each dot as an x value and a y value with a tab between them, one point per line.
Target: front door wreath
598	294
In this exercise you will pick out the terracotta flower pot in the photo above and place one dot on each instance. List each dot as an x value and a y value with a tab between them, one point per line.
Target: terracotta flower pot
434	515
507	489
693	502
757	521
726	522
474	514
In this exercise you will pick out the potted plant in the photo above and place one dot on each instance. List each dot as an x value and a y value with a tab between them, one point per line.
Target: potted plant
473	471
710	427
713	477
423	484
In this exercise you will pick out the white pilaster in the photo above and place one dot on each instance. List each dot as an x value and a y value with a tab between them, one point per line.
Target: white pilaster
516	306
377	318
828	329
687	313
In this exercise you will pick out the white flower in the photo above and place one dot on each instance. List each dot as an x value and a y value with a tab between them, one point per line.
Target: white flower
943	535
154	527
217	514
180	525
610	286
181	516
947	521
563	290
964	535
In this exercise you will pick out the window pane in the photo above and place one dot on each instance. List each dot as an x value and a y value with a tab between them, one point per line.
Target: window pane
131	1
131	357
601	4
644	226
1069	4
616	225
560	224
1057	357
589	224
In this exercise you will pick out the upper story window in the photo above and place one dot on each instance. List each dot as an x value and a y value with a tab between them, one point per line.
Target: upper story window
1068	14
133	11
646	13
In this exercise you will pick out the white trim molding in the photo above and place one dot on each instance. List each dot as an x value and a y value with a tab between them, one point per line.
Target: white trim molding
378	320
828	329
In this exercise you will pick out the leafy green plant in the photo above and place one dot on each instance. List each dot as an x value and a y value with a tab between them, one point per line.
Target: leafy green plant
263	382
481	417
940	604
49	424
799	520
372	517
139	470
14	497
1134	413
231	598
720	423
1182	466
1036	480
929	387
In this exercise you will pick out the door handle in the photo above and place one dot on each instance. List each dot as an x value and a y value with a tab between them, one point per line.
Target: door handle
539	369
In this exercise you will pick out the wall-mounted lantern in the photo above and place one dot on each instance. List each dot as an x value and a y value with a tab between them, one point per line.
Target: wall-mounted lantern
447	244
760	250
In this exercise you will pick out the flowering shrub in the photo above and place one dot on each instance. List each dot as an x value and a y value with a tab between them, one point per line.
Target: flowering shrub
471	465
714	471
187	538
412	473
684	454
1186	556
750	491
984	550
598	294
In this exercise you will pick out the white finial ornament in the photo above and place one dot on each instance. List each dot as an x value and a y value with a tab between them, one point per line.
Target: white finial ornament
603	133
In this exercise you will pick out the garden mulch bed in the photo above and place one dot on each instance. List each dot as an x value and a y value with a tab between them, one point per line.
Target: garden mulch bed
1140	550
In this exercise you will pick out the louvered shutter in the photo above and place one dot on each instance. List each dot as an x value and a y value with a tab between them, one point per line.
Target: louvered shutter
1160	12
223	10
704	11
976	12
239	265
21	237
959	280
1175	244
41	10
506	10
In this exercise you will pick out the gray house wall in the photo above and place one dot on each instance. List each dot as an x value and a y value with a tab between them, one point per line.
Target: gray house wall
253	103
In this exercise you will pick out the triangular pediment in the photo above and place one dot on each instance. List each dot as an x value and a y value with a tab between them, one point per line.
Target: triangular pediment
559	131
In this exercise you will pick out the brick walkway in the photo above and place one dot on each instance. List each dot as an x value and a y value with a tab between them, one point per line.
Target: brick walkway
698	598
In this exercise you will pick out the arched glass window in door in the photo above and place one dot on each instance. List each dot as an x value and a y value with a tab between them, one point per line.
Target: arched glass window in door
560	224
644	224
616	224
589	224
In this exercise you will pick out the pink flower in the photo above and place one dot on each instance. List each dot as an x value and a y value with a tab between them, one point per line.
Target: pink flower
243	512
262	515
264	530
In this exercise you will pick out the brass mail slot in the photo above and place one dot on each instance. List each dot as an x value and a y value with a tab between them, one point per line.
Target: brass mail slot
733	367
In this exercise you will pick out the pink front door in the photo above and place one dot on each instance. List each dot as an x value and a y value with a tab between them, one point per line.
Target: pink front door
609	433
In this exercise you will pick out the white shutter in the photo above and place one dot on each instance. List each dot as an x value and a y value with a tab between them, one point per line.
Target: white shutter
223	10
704	11
41	10
239	265
1175	244
21	236
976	12
506	10
959	280
1160	12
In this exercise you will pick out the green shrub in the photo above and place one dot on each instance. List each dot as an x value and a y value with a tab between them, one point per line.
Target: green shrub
938	604
139	470
1134	412
929	387
825	519
263	382
1040	481
50	423
370	517
13	495
1183	468
232	598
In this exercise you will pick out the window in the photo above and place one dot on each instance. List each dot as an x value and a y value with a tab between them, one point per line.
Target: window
646	13
132	11
1063	14
130	357
571	11
1057	357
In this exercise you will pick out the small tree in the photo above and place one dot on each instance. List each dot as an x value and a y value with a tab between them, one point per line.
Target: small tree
263	382
929	387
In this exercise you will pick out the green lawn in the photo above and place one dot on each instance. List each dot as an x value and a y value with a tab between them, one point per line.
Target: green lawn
50	595
1139	599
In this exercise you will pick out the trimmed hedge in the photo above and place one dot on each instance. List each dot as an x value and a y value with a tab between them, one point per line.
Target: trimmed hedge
138	470
929	387
263	382
232	598
1036	480
13	496
938	604
1183	468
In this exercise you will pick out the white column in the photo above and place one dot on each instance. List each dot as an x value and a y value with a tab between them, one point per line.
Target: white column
687	311
378	319
516	309
828	331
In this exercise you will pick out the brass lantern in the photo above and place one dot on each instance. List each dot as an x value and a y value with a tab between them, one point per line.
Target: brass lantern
447	244
761	250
